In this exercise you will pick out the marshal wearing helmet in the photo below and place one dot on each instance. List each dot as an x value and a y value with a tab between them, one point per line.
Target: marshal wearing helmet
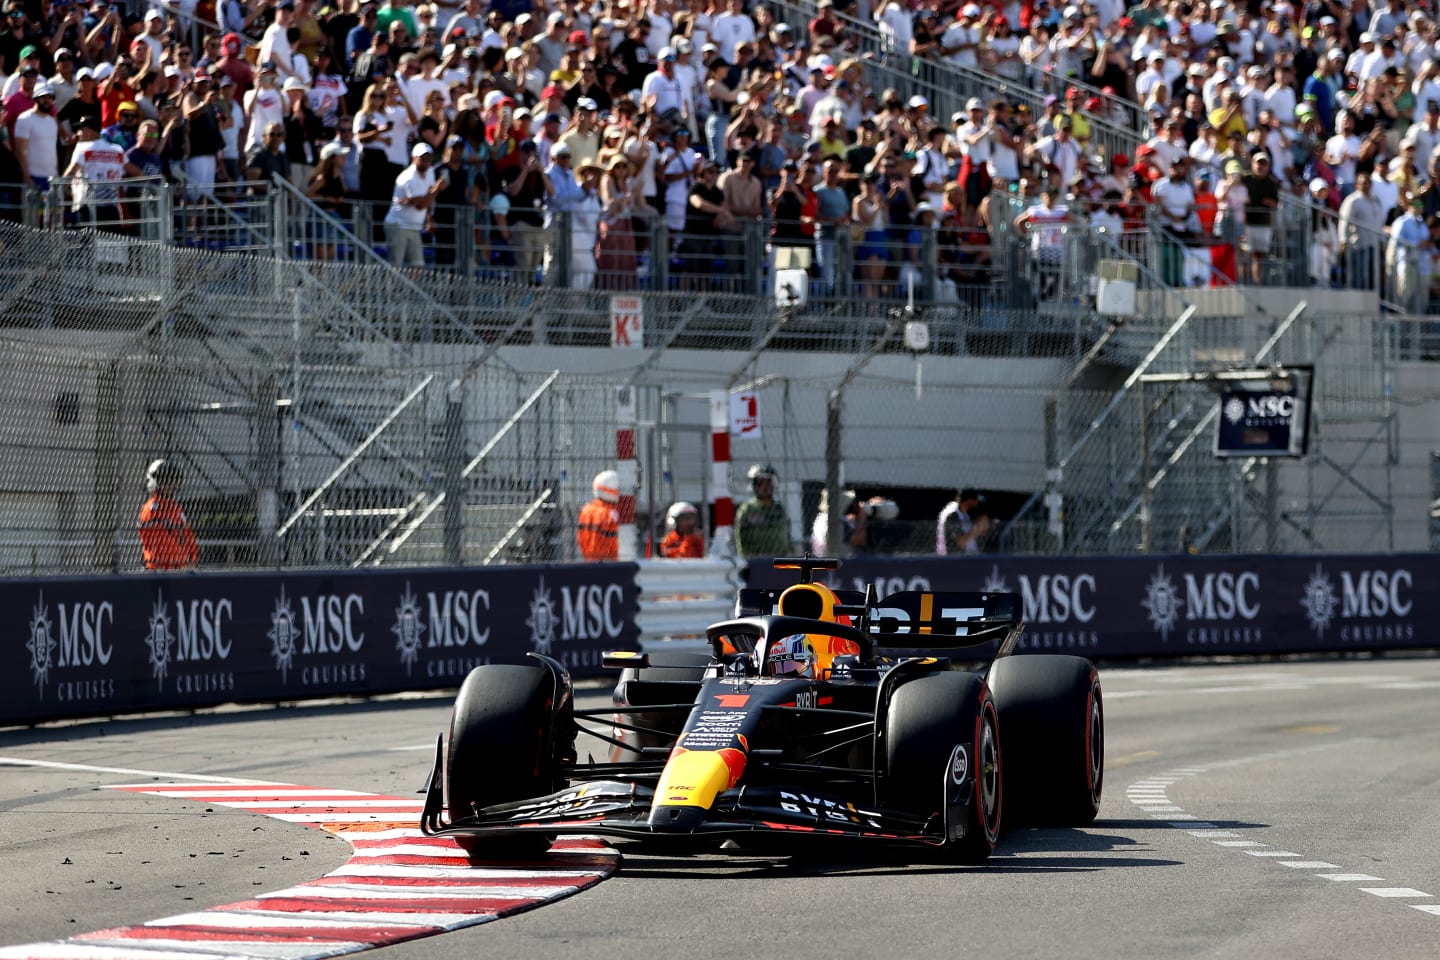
682	541
762	528
166	540
598	531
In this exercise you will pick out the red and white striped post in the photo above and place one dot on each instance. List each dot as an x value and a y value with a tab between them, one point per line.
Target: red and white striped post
722	543
625	466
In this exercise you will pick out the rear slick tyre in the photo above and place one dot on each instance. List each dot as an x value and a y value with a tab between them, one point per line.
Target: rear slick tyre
1052	725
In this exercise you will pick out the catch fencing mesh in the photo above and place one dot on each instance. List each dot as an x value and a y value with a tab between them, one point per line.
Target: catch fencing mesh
330	414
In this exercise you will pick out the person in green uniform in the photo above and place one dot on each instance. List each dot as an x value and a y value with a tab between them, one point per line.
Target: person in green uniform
761	527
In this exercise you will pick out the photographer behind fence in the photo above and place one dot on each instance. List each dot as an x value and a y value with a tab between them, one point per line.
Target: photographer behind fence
869	525
963	523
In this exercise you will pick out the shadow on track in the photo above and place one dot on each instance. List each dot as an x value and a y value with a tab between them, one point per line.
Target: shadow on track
1022	851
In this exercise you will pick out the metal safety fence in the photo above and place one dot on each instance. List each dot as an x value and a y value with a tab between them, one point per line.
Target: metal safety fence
329	413
894	262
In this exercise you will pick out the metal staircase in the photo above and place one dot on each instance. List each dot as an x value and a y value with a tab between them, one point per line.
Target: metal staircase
501	516
1128	448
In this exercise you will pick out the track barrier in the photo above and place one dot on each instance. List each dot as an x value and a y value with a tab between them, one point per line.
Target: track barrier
88	646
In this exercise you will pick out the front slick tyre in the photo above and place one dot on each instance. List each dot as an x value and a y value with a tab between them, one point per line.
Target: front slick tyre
927	719
502	747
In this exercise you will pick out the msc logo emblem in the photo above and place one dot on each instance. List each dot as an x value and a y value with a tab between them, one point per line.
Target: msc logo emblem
159	639
1234	410
542	620
1162	603
408	628
282	636
41	645
1319	601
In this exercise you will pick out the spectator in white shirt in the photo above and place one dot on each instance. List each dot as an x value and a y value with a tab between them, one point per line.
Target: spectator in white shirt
1280	98
661	95
275	44
1252	96
1175	198
732	28
1426	134
1059	153
154	36
1152	76
263	106
37	138
1366	47
410	204
896	26
1343	150
960	43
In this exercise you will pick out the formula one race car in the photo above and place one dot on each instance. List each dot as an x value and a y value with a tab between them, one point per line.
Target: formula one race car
794	727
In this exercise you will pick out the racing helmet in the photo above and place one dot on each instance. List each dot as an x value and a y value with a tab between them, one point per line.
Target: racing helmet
162	472
791	656
679	509
762	471
815	601
607	486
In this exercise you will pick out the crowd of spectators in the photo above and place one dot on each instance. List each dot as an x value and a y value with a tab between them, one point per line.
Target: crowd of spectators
723	124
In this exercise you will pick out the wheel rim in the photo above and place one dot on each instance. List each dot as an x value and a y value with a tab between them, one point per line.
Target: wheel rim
987	777
1095	746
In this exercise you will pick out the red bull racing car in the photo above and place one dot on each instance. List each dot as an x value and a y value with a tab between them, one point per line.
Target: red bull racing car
802	723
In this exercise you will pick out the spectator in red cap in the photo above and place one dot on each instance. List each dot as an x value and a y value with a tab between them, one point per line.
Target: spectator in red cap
1146	170
552	101
1117	176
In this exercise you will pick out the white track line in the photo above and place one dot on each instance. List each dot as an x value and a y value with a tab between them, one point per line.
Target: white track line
1151	796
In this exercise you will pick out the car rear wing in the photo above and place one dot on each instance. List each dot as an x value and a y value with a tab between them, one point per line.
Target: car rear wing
914	619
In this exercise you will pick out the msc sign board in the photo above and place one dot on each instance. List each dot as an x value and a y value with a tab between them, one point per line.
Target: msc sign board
87	645
1264	418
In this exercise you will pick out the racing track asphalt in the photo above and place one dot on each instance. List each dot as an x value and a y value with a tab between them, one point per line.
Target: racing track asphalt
1251	810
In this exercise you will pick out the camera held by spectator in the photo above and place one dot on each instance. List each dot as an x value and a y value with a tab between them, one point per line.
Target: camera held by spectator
878	508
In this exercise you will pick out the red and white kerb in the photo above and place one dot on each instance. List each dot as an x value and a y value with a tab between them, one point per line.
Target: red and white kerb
626	467
398	885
